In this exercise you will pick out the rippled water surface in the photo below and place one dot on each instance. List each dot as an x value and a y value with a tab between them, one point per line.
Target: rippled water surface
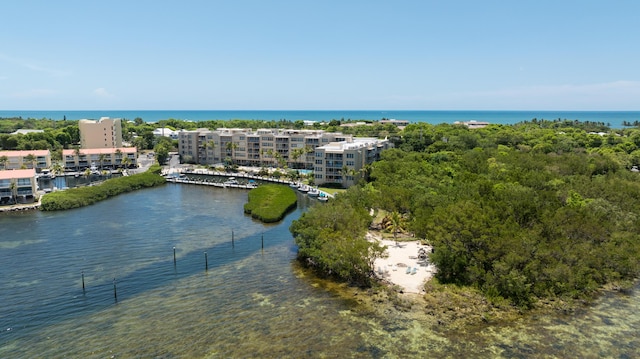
251	302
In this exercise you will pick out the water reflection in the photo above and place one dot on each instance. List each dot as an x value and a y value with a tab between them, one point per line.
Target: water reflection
71	181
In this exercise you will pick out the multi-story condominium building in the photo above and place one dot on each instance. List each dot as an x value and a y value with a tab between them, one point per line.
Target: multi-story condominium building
106	133
17	185
264	147
345	162
102	158
13	160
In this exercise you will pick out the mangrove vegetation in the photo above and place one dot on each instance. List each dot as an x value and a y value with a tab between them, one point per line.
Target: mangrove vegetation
270	202
523	214
84	196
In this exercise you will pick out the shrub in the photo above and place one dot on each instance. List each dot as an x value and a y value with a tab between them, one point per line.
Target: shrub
84	196
269	203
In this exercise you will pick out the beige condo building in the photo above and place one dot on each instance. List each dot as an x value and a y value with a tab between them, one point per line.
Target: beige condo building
100	158
246	147
17	186
346	162
13	160
333	156
105	133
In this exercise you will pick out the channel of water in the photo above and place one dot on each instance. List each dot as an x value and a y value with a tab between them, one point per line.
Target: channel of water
251	302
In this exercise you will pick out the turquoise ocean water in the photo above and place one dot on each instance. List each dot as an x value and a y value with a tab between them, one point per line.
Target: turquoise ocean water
614	118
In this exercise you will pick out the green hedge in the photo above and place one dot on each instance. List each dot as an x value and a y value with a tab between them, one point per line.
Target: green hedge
84	196
269	203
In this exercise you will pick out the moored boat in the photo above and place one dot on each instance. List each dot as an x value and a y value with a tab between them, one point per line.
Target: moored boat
231	181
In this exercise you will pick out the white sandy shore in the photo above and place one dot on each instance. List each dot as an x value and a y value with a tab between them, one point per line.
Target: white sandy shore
403	256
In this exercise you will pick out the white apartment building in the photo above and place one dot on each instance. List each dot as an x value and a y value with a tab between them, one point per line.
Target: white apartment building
105	133
344	162
263	147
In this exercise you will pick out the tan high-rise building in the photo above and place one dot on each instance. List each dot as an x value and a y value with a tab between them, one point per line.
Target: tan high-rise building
106	133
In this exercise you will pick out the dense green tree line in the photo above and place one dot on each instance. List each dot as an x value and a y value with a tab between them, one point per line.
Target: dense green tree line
331	238
85	196
520	212
56	136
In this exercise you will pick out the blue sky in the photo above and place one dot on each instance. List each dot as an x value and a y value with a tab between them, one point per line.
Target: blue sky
308	55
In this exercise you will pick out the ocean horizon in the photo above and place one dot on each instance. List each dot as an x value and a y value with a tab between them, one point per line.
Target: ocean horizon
613	118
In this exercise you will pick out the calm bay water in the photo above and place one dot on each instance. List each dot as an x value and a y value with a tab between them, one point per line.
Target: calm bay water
252	302
615	118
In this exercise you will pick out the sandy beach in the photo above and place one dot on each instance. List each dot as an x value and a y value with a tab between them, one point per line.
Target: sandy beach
404	255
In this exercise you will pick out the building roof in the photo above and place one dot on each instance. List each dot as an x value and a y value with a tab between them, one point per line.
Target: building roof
11	174
37	153
357	143
99	151
101	119
24	131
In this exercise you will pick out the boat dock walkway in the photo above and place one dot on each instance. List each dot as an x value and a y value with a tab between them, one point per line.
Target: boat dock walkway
178	175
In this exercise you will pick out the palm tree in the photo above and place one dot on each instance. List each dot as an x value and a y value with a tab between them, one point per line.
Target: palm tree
232	146
125	162
76	152
57	168
395	225
210	145
31	159
14	189
118	157
101	158
3	162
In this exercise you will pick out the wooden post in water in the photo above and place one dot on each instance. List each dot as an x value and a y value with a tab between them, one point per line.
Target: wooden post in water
206	262
83	290
115	291
232	244
174	256
262	240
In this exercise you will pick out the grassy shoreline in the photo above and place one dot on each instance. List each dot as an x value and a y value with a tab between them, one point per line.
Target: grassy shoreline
270	203
84	196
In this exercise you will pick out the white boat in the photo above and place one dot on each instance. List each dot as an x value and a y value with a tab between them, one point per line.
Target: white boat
313	192
94	169
303	188
231	181
46	174
323	198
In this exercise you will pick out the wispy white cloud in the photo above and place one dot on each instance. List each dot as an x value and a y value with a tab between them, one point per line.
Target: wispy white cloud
33	66
102	93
